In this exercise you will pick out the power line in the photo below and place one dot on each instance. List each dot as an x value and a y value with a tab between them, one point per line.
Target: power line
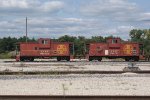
26	31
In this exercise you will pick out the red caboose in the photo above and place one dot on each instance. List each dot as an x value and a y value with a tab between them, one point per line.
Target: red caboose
44	48
114	48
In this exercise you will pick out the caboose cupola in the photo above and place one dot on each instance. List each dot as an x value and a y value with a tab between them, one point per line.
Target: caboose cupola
113	40
114	43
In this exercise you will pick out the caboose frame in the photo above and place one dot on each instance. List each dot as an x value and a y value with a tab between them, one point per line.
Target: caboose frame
45	48
114	48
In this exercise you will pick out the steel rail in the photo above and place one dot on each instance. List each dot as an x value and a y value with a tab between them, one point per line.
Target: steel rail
77	61
68	72
43	97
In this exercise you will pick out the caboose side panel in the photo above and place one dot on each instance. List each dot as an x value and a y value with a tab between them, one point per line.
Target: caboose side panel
130	49
44	48
114	48
29	49
98	49
60	49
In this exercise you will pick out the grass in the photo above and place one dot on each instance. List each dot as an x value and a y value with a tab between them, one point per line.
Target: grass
5	55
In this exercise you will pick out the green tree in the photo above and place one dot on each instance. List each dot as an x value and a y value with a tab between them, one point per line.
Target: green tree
67	38
143	37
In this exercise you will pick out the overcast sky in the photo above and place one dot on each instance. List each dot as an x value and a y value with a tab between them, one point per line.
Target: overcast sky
55	18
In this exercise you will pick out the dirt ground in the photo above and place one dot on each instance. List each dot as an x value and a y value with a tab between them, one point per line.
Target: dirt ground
129	84
87	84
52	65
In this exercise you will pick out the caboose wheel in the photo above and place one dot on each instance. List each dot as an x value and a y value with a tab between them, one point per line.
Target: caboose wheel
90	59
68	58
99	59
58	58
127	59
136	59
31	59
21	59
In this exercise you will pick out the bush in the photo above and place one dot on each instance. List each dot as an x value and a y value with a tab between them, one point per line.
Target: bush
5	56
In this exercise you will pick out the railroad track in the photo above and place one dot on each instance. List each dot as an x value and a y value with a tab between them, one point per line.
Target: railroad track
69	72
26	97
74	61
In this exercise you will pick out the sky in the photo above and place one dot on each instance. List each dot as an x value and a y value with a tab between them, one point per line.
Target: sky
55	18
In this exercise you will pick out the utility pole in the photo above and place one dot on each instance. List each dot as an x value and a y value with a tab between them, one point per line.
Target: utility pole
26	31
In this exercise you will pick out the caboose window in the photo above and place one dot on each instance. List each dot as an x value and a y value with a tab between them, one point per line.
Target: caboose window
36	48
114	41
44	42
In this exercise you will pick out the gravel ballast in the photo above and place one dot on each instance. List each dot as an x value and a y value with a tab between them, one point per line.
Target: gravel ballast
120	84
68	66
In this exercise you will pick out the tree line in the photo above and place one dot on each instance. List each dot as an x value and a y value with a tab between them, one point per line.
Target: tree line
8	44
143	37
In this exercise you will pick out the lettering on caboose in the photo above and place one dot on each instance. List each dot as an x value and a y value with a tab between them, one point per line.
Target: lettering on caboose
44	52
